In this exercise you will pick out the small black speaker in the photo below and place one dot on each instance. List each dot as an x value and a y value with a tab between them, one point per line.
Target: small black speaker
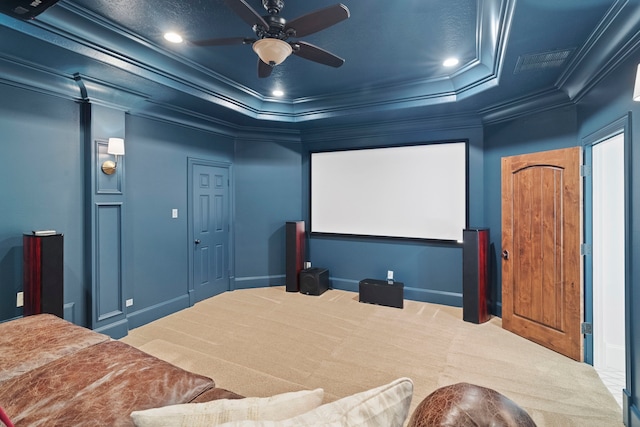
314	281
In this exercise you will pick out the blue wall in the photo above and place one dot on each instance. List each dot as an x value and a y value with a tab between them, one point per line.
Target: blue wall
549	130
157	245
41	187
267	194
607	102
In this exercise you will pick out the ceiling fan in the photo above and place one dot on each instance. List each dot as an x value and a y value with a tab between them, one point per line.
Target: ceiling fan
272	32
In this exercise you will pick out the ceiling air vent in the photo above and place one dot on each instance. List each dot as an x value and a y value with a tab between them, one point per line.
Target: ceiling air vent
542	61
25	9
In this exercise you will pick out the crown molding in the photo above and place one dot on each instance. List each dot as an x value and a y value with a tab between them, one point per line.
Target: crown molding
97	91
531	104
26	75
88	34
190	119
615	38
409	130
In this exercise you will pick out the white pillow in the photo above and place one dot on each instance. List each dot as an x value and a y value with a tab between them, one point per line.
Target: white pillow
387	406
278	407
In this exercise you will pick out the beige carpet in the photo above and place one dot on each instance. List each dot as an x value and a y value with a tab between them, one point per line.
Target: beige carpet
259	342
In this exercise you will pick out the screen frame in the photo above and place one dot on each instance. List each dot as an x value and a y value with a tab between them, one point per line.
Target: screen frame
446	242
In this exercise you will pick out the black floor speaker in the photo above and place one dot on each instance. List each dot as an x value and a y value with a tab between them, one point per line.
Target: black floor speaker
295	250
314	281
475	275
43	274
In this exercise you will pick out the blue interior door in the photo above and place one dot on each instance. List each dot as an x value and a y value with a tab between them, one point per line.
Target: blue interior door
211	229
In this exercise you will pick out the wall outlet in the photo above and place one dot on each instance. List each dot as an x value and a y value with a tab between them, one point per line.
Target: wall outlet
20	299
129	302
389	274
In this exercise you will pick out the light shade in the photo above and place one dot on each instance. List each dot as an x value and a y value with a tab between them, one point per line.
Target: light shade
272	51
636	89
116	146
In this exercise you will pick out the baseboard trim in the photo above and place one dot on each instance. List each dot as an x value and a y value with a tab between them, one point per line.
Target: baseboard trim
258	281
115	330
415	294
630	412
155	312
69	312
453	299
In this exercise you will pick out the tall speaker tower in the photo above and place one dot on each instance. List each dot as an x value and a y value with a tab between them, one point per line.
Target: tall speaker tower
295	250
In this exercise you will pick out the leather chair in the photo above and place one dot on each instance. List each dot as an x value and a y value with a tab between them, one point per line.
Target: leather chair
468	405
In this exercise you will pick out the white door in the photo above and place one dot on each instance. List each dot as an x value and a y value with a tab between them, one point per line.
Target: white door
609	255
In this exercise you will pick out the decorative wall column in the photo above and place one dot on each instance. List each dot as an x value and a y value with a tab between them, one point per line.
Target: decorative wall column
104	210
104	216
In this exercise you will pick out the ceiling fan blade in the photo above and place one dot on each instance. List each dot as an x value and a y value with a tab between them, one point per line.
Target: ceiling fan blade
223	42
316	54
247	13
318	20
264	70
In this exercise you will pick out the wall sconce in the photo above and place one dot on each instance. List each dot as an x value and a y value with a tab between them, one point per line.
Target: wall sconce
115	147
636	89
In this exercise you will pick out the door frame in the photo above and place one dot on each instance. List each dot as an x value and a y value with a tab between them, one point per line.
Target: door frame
191	162
622	125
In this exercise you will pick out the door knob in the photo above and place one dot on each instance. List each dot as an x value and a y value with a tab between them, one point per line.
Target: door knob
505	254
197	241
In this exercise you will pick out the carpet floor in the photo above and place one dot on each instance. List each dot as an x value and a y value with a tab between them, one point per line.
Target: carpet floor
260	342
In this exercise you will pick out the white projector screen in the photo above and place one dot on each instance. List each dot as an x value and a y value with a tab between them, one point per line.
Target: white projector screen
416	192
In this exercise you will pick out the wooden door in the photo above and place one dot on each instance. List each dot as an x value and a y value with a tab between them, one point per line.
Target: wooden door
211	229
541	237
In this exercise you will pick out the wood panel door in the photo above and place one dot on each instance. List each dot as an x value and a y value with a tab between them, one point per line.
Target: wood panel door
542	287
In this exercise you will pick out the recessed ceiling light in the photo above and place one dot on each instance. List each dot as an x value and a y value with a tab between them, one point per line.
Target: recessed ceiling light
450	62
277	92
173	37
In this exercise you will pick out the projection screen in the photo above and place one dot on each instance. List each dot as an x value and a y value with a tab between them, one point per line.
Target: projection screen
415	192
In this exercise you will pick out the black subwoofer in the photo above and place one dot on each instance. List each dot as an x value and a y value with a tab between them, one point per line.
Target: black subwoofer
314	281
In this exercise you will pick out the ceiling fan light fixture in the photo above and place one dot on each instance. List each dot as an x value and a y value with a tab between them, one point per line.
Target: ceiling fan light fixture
272	51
